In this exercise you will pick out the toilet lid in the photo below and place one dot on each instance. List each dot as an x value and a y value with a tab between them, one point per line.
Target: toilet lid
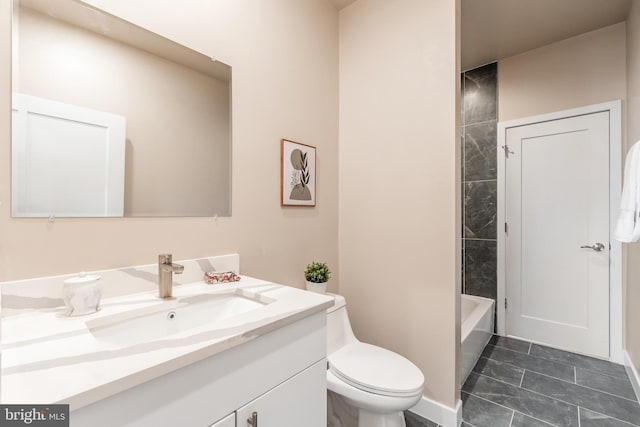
376	370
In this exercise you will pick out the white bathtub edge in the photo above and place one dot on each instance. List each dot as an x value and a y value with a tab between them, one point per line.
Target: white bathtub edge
439	413
476	331
633	373
476	316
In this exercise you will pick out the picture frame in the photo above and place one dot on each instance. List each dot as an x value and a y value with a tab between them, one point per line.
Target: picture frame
297	174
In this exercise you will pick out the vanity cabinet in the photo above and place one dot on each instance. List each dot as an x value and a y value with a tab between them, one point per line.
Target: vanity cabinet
280	374
229	421
299	401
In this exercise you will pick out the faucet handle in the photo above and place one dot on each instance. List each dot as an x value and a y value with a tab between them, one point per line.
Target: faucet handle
165	259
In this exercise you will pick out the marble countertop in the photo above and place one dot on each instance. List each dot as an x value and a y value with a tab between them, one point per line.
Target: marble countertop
51	358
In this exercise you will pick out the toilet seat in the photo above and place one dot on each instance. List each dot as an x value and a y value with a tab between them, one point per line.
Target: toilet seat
376	370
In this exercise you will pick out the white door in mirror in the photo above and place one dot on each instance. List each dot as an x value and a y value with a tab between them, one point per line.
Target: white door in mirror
53	144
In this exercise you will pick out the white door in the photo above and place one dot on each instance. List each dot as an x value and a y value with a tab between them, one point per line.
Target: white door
557	233
66	160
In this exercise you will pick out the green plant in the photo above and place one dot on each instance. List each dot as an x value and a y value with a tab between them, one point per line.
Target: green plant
317	272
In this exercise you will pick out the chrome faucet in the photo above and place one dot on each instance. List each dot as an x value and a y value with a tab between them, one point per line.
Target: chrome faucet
166	268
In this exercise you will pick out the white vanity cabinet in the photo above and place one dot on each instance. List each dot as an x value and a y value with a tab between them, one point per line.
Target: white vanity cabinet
229	421
296	402
280	374
300	400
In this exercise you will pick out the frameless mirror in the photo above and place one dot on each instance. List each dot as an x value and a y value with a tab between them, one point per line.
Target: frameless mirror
110	119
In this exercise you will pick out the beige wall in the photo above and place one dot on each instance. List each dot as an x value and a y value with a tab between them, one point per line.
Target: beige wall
399	81
632	333
583	70
177	118
285	84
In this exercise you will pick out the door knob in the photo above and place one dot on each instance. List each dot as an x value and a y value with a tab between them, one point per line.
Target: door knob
598	247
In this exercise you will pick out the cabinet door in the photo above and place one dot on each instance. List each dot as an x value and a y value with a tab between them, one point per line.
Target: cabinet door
299	401
229	421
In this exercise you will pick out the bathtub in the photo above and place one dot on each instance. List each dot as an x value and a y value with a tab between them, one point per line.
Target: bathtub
476	328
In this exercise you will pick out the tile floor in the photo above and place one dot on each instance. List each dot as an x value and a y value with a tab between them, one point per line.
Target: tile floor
520	384
414	420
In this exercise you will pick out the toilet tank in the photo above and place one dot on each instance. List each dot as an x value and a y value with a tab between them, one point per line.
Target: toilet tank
339	332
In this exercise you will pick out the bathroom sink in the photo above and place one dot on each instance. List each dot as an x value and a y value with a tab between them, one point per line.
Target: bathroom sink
170	318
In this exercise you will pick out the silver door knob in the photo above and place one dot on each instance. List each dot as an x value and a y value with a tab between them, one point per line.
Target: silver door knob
598	247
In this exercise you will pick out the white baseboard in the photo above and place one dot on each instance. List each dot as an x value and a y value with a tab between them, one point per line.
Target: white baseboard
633	374
439	413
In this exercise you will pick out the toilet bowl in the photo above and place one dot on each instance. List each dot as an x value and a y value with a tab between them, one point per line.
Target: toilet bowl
368	386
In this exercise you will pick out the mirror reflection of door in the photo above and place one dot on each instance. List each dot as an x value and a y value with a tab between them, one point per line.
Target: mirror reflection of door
176	102
67	160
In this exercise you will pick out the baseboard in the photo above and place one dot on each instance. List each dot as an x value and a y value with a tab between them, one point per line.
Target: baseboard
439	413
633	374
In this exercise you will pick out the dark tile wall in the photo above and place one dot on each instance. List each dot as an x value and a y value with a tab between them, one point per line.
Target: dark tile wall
479	185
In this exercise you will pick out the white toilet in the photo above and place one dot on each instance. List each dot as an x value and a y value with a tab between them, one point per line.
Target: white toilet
368	386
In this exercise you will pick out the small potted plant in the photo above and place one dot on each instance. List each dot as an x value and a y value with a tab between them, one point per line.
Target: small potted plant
317	275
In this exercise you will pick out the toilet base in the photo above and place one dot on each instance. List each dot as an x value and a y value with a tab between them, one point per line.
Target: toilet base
371	419
340	413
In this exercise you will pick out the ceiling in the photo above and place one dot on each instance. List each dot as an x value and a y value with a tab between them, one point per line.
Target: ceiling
495	29
339	4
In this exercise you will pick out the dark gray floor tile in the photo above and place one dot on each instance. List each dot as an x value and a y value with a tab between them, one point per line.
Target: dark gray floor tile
613	406
619	386
499	370
580	361
415	420
593	419
521	420
482	413
536	405
510	343
525	361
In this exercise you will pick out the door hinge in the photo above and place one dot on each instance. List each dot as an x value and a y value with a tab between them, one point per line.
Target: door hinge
505	147
505	304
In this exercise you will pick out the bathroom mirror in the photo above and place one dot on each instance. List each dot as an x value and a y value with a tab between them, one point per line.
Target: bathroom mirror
110	119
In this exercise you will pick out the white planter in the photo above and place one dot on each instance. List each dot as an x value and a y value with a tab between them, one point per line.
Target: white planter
320	288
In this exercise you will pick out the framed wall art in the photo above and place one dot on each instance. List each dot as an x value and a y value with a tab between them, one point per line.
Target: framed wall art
297	174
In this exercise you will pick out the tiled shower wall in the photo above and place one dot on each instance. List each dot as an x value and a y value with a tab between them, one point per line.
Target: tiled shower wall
479	173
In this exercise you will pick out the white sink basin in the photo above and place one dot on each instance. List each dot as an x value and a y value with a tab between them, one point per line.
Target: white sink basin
170	318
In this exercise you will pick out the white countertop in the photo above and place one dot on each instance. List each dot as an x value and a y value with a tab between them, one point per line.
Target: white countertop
51	358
